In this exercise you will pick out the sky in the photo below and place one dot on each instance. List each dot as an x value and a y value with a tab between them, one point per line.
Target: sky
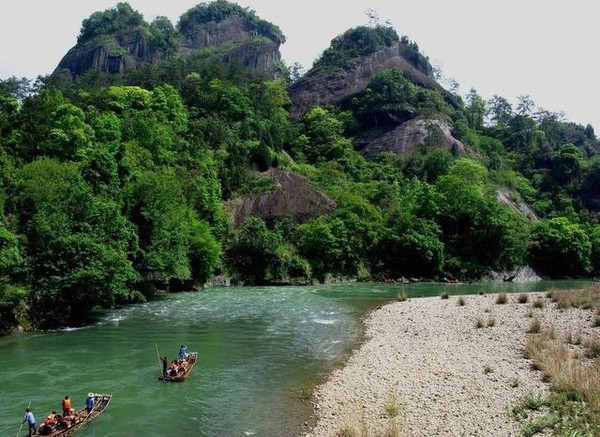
546	49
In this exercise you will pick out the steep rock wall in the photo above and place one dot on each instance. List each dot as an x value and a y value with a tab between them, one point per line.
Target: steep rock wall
409	136
324	87
293	196
237	38
110	54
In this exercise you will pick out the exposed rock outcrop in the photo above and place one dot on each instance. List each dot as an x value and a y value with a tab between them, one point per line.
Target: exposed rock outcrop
504	197
115	54
521	274
409	136
292	197
238	40
328	86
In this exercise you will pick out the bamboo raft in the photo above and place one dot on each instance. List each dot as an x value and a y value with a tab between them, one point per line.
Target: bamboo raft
191	359
101	402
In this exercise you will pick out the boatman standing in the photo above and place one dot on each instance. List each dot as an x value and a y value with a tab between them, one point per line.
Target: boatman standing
30	421
183	352
165	364
89	403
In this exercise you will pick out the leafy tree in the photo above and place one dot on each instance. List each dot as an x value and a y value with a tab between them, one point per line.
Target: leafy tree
477	230
525	105
593	232
51	126
590	187
409	246
112	20
389	99
155	204
76	248
567	164
360	41
322	138
321	247
560	247
204	251
499	111
219	11
100	170
475	109
253	252
10	255
163	36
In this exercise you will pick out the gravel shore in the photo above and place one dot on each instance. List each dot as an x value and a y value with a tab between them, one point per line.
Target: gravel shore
425	362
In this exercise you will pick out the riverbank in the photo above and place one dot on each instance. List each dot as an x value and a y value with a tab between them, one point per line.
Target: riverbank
432	366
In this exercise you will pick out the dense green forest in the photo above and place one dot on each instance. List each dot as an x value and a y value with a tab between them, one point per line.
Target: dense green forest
112	187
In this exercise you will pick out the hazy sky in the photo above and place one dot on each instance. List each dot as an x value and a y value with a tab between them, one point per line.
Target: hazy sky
544	48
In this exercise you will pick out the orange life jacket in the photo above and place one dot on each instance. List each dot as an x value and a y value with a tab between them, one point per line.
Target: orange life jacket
66	404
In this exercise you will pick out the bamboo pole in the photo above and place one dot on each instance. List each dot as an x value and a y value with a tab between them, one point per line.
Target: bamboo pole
159	360
21	427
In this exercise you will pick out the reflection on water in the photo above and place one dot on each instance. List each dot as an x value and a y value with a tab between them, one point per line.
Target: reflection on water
260	348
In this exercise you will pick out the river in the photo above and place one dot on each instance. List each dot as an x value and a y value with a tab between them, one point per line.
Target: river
261	351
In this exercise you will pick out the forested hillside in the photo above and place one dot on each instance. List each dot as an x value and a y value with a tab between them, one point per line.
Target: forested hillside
117	183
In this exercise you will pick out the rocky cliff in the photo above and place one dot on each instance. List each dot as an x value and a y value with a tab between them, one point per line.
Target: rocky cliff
115	54
409	136
238	40
293	196
327	86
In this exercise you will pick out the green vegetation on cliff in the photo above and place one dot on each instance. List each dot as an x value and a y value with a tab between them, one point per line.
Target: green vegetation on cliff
220	10
115	187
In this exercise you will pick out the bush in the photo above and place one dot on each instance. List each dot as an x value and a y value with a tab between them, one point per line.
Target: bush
502	299
534	327
538	303
523	298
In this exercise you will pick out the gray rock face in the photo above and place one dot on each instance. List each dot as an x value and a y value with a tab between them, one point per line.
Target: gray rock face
504	196
409	136
113	54
324	87
292	197
237	38
234	29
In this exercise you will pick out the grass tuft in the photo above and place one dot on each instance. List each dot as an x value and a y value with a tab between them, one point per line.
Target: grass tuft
534	327
538	303
393	429
587	298
592	348
392	406
574	403
502	299
523	298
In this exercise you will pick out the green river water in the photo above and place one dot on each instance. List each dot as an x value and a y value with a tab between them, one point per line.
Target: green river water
261	352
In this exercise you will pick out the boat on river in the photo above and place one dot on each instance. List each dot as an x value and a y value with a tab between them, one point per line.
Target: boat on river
182	374
101	402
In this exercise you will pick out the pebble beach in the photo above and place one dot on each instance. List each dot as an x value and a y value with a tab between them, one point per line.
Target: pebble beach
434	367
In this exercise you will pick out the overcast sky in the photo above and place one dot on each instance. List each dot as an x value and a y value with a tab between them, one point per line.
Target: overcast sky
545	48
